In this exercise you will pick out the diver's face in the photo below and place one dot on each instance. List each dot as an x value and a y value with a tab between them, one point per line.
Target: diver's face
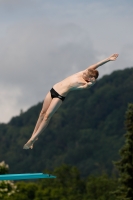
90	79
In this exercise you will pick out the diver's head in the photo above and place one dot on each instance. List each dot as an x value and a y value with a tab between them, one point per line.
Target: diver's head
90	75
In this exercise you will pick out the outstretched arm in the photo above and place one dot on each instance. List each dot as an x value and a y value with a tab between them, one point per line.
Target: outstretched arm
111	58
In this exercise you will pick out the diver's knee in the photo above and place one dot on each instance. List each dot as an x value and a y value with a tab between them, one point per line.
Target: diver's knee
42	114
47	116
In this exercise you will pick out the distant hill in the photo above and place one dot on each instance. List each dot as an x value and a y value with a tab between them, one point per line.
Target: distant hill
87	131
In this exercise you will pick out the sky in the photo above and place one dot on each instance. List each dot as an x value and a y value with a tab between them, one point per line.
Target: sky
44	41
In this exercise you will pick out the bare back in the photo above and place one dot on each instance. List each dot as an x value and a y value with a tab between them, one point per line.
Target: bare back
72	82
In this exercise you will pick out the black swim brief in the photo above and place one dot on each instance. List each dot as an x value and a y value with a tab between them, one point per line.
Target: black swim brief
55	94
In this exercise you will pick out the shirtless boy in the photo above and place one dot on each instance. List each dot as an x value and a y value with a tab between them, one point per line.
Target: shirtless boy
55	97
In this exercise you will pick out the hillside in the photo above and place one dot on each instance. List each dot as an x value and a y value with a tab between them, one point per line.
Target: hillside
87	131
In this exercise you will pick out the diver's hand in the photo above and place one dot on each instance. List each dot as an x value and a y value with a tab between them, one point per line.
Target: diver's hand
113	57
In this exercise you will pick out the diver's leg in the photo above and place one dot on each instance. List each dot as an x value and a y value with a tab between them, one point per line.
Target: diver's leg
45	106
54	105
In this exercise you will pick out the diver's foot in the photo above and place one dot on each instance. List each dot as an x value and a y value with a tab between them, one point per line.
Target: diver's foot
29	144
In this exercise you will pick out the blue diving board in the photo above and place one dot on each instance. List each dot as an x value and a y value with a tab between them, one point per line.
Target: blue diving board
25	176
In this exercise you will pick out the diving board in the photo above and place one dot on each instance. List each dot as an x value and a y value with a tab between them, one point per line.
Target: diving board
25	176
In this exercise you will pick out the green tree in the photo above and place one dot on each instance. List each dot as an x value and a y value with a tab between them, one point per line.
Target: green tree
67	186
125	164
100	188
4	168
7	188
25	191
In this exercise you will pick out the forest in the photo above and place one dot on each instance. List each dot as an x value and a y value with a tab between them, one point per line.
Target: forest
81	145
86	132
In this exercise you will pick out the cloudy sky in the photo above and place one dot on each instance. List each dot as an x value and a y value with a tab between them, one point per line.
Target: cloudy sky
43	41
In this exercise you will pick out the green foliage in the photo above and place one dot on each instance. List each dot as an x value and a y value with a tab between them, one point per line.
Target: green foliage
100	188
7	188
4	168
25	191
85	132
67	186
125	165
